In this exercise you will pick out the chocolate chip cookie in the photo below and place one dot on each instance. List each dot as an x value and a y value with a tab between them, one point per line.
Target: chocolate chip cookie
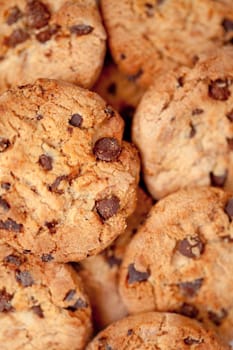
153	330
183	127
100	273
50	39
68	182
41	307
181	260
146	36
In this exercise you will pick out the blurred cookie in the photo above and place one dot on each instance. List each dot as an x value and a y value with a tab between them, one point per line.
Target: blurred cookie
181	259
50	39
146	36
67	182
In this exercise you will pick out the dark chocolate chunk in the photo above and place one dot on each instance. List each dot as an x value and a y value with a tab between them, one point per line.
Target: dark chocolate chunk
180	81
217	318
39	117
11	225
191	341
188	310
54	187
109	111
18	36
136	276
229	208
38	311
197	111
80	304
112	89
107	149
5	185
227	24
4	204
46	34
46	162
218	180
113	261
107	207
13	15
191	247
190	289
4	144
38	14
135	76
192	131
70	295
5	301
51	225
81	29
218	90
76	120
129	332
13	259
46	257
24	278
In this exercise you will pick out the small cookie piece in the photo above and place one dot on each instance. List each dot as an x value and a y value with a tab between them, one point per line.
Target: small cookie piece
183	127
50	39
100	272
147	36
154	330
67	182
181	260
41	308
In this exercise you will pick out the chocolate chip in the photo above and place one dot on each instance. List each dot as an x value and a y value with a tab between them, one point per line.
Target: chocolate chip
217	318
46	162
190	289
109	111
56	183
51	225
18	36
135	76
5	186
197	111
70	295
227	24
218	90
113	261
14	14
180	81
13	259
112	89
188	310
107	149
136	276
218	180
4	204
24	278
39	117
229	208
81	29
4	144
191	247
192	131
80	304
129	332
46	257
191	341
5	301
38	311
11	225
38	14
76	120
47	34
107	207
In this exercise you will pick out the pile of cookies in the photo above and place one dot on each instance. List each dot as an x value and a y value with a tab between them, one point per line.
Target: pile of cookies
116	174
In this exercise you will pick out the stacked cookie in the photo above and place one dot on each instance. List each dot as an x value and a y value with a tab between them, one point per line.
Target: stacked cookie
88	242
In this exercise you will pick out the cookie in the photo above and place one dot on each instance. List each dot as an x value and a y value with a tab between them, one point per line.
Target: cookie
41	307
153	330
100	273
147	36
46	39
181	260
68	182
183	127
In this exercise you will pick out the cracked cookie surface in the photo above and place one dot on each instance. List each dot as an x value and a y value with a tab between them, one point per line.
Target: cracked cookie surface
68	182
50	39
41	307
181	259
183	127
150	331
146	36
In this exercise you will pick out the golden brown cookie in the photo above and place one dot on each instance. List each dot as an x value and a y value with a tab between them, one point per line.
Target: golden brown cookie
68	182
61	39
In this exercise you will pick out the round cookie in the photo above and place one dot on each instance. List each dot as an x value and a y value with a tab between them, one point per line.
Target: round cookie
181	259
146	36
183	127
68	182
41	307
100	273
50	39
153	330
